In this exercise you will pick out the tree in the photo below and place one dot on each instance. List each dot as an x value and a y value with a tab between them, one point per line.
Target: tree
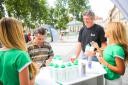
1	9
61	14
76	7
38	11
17	8
58	16
31	12
43	12
50	19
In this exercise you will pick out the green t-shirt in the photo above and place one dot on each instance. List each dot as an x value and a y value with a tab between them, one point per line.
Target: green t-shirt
110	53
12	61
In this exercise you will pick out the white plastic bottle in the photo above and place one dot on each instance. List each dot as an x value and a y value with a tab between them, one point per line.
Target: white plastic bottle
55	72
76	69
61	73
51	67
69	71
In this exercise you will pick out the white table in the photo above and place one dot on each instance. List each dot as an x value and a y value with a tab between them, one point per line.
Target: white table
43	78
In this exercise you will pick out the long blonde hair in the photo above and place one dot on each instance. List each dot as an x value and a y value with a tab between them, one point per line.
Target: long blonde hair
11	33
118	34
12	36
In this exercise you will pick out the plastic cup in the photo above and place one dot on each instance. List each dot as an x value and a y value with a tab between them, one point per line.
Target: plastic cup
89	62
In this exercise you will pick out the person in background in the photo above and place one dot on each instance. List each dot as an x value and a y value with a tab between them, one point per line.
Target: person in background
61	35
14	60
88	33
27	37
39	50
115	54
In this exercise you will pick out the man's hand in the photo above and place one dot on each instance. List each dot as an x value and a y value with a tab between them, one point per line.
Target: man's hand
48	61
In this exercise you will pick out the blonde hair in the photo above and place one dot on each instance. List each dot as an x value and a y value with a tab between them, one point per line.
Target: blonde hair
11	33
118	34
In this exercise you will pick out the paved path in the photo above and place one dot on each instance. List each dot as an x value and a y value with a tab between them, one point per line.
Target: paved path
65	48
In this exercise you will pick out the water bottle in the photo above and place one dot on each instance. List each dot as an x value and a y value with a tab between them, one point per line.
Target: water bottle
69	71
82	68
61	73
90	57
51	66
55	72
76	69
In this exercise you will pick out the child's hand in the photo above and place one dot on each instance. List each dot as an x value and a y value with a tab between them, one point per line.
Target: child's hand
95	45
102	61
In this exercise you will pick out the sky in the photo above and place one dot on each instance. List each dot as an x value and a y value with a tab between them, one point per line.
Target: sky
100	7
51	2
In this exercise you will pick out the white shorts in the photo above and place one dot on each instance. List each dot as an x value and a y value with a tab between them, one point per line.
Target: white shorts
113	82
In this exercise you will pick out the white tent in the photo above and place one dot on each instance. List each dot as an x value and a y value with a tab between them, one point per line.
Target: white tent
53	32
122	5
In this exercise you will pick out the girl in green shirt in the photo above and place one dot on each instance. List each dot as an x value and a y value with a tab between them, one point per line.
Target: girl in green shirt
115	54
14	59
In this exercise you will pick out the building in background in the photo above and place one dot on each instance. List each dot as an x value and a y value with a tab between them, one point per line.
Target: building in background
74	25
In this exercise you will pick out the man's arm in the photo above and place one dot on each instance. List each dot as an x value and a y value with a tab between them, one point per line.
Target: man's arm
50	55
78	46
78	49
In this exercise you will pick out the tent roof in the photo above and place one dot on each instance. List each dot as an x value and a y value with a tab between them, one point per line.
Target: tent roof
74	22
122	5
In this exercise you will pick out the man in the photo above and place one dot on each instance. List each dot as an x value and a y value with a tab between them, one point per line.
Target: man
39	50
88	33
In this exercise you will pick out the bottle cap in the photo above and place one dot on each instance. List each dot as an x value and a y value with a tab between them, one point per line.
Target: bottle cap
56	66
75	62
58	57
69	64
62	66
51	64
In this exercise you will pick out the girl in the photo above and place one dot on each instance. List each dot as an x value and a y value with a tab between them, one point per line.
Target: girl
14	59
115	54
